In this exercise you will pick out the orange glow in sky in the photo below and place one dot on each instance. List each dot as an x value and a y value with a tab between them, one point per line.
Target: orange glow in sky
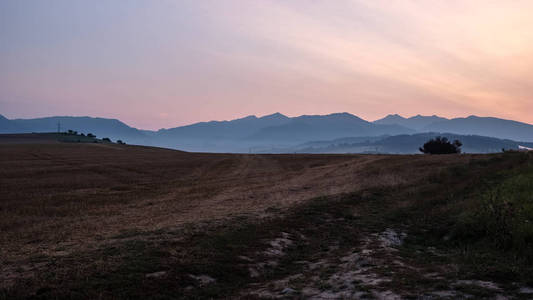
166	63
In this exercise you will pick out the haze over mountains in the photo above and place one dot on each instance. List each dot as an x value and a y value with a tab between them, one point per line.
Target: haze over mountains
279	133
403	144
486	126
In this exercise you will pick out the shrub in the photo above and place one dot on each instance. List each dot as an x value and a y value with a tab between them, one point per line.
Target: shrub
91	135
506	214
441	145
120	142
106	140
501	215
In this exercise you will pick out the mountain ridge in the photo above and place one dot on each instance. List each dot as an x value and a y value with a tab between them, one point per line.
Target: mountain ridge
273	130
485	126
309	127
417	122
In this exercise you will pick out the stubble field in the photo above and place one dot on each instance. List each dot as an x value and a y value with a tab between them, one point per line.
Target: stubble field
119	221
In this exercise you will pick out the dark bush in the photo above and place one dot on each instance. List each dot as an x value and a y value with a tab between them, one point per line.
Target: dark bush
91	135
120	142
106	140
441	145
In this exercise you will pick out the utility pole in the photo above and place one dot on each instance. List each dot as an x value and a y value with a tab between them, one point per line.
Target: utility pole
58	127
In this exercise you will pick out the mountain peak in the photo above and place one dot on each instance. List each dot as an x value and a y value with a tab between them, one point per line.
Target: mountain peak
390	118
277	115
343	115
432	117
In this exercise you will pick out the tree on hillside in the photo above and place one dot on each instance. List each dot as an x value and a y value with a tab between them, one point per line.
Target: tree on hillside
91	135
106	140
441	145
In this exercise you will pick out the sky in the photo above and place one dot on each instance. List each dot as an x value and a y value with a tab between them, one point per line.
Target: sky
165	63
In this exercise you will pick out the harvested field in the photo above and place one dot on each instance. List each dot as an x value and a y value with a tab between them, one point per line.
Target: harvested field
79	208
65	193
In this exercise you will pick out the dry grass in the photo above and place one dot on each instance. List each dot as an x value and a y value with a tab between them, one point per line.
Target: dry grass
56	199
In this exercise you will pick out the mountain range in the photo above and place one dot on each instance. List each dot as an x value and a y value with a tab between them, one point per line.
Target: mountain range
484	126
306	128
277	131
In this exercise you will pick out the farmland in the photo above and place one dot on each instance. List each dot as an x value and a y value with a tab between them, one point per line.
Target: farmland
84	220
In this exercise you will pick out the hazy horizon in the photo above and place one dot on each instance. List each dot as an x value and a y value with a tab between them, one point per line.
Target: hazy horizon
161	64
253	115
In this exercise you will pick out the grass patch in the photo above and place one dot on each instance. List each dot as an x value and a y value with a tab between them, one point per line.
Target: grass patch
481	216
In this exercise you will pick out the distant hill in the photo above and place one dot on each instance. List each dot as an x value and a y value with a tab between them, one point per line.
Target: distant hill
486	126
8	126
242	135
472	125
417	122
48	138
306	128
101	127
405	144
217	136
234	129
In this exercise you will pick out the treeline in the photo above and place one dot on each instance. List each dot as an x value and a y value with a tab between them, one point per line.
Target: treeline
89	135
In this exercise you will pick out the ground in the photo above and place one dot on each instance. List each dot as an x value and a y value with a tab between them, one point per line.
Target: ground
120	221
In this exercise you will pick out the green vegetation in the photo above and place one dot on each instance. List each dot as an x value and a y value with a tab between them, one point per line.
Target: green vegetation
480	215
503	213
73	136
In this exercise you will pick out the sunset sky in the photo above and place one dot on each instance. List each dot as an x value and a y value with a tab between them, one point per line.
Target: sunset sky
165	63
